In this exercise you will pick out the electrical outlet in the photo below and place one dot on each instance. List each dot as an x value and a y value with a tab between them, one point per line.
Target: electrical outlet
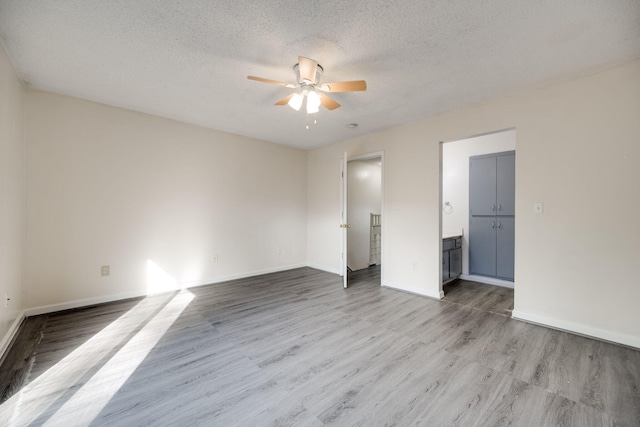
538	208
214	258
105	270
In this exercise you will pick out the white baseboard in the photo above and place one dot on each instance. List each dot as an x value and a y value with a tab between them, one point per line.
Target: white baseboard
254	273
51	308
487	280
577	328
35	311
326	269
11	333
413	290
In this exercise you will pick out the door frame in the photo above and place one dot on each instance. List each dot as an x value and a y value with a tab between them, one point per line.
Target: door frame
481	279
344	191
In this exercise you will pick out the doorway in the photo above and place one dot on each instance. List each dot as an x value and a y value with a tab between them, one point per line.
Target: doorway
455	212
364	218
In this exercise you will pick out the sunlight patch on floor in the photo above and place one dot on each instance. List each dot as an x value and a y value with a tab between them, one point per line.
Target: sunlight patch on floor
152	317
86	403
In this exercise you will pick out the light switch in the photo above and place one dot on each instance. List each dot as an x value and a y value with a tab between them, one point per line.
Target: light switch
396	210
538	208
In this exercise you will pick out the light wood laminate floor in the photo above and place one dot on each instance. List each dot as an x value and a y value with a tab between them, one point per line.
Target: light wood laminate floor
294	348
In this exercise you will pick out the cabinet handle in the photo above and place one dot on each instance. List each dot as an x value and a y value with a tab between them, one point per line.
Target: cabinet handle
499	225
493	225
493	207
499	207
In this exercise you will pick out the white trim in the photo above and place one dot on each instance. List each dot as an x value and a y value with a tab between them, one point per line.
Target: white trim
413	290
366	156
577	328
372	155
344	179
35	311
52	308
325	269
8	337
214	280
480	134
488	280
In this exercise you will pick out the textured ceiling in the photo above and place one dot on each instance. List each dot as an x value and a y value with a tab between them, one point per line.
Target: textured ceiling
188	60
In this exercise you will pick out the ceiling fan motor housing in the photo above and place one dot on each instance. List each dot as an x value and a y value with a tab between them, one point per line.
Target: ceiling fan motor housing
302	82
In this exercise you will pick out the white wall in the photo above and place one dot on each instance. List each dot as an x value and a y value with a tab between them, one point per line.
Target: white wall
578	153
455	181
11	193
323	219
107	186
364	197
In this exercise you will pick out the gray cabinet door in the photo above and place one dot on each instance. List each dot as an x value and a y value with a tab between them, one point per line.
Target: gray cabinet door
505	247
445	266
492	180
455	262
506	185
482	186
482	246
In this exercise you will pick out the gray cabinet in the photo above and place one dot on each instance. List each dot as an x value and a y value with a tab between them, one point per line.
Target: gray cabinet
451	258
482	186
455	263
506	185
482	245
505	240
492	215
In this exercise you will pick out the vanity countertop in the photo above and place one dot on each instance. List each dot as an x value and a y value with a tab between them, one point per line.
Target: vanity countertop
451	235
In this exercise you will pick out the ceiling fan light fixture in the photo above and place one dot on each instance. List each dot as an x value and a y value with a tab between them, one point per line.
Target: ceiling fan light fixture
309	75
296	101
313	102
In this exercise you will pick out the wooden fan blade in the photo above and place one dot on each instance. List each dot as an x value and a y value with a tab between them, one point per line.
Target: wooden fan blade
328	103
308	68
284	101
273	82
354	86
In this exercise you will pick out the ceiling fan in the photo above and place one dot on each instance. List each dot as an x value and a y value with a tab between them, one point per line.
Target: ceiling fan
308	73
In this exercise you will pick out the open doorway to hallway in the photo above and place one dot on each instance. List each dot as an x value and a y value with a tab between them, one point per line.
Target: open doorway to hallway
478	244
364	215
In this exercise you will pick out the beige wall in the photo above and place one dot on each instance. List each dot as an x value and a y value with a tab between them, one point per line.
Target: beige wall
578	153
11	194
106	186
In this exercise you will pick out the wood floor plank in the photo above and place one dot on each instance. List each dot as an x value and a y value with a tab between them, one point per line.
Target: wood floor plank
496	299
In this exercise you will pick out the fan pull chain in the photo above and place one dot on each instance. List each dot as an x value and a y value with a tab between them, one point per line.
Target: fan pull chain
315	120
